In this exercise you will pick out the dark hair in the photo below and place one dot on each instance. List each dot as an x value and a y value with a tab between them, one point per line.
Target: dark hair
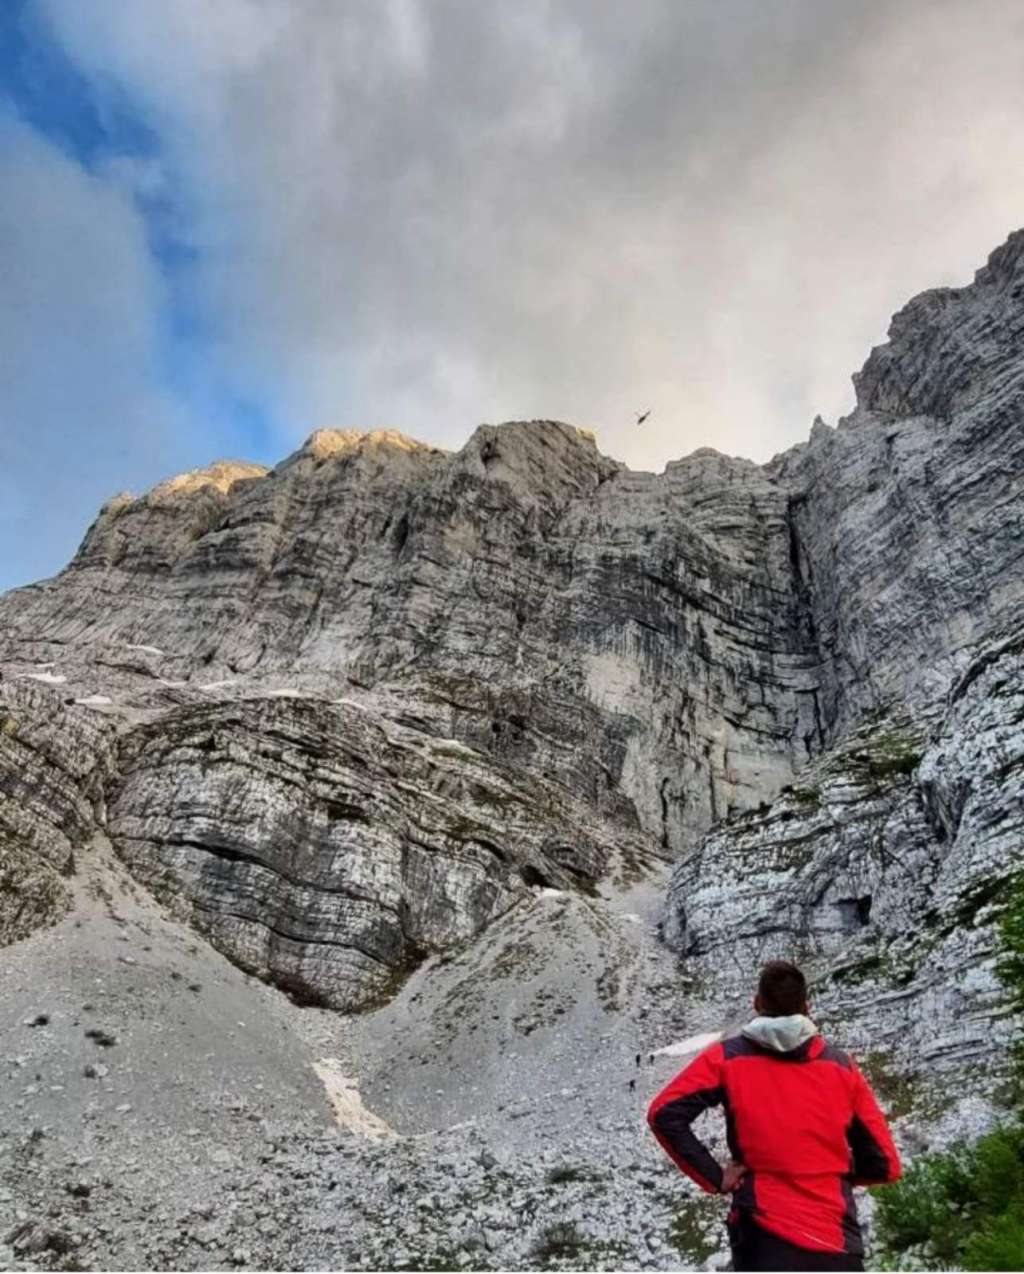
782	989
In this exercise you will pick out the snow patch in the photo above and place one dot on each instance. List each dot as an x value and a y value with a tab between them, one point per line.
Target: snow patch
349	1110
50	678
149	650
632	917
218	685
175	685
94	701
692	1044
287	693
547	892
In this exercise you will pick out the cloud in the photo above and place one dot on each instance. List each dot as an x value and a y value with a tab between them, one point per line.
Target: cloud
80	414
428	214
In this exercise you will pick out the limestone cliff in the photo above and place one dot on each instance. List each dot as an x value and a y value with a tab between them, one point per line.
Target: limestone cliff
885	865
345	712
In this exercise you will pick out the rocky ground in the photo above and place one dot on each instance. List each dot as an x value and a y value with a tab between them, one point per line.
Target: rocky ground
167	1111
164	1109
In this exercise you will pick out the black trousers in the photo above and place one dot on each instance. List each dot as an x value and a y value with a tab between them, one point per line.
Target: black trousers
756	1249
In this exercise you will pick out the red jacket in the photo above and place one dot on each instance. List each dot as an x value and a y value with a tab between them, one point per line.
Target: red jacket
806	1125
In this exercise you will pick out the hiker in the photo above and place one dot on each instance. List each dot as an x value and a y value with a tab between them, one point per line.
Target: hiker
638	1059
632	1085
650	1060
802	1126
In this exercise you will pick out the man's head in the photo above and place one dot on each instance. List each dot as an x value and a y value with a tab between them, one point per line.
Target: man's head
781	990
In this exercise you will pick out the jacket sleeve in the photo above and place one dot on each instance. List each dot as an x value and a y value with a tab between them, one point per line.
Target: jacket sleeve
696	1088
875	1159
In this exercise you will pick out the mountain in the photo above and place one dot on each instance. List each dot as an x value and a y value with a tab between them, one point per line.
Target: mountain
508	764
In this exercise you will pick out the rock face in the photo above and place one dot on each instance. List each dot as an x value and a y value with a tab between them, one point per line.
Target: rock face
883	871
885	865
624	633
53	766
331	850
909	518
348	711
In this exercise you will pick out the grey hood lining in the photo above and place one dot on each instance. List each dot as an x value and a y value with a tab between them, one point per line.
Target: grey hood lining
780	1034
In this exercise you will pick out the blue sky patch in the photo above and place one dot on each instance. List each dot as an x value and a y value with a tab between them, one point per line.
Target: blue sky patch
98	125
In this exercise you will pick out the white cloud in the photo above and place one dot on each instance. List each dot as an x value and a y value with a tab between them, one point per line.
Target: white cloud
81	418
430	214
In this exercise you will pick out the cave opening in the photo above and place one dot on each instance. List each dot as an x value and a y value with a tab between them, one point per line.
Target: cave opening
532	877
855	912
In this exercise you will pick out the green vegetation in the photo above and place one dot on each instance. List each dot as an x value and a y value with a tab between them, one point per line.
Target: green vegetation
869	966
882	755
695	1232
1011	961
810	796
559	1241
898	1091
962	1208
965	1207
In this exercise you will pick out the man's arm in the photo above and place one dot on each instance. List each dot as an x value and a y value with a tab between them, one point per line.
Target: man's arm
875	1158
670	1115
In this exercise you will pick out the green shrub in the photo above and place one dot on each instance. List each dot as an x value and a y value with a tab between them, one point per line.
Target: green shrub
923	1208
999	1245
960	1206
1011	943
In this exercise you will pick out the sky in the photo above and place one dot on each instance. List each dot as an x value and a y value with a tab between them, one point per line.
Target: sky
223	226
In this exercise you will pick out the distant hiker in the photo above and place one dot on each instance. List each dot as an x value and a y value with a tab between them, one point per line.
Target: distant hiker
650	1060
632	1085
802	1126
638	1059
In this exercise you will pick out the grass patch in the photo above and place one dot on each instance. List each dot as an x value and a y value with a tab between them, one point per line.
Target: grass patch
870	966
692	1232
900	1093
559	1241
886	767
807	796
879	755
888	754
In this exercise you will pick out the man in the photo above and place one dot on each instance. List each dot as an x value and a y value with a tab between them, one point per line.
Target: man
803	1128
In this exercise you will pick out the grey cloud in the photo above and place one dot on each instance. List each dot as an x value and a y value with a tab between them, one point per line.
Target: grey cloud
425	215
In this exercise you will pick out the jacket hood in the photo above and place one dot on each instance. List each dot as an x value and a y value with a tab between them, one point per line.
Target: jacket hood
781	1034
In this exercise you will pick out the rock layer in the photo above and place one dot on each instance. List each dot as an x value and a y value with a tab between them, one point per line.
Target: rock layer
331	850
883	871
619	660
54	763
620	632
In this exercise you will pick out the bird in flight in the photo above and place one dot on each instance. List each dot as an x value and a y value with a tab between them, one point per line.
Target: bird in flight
641	417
